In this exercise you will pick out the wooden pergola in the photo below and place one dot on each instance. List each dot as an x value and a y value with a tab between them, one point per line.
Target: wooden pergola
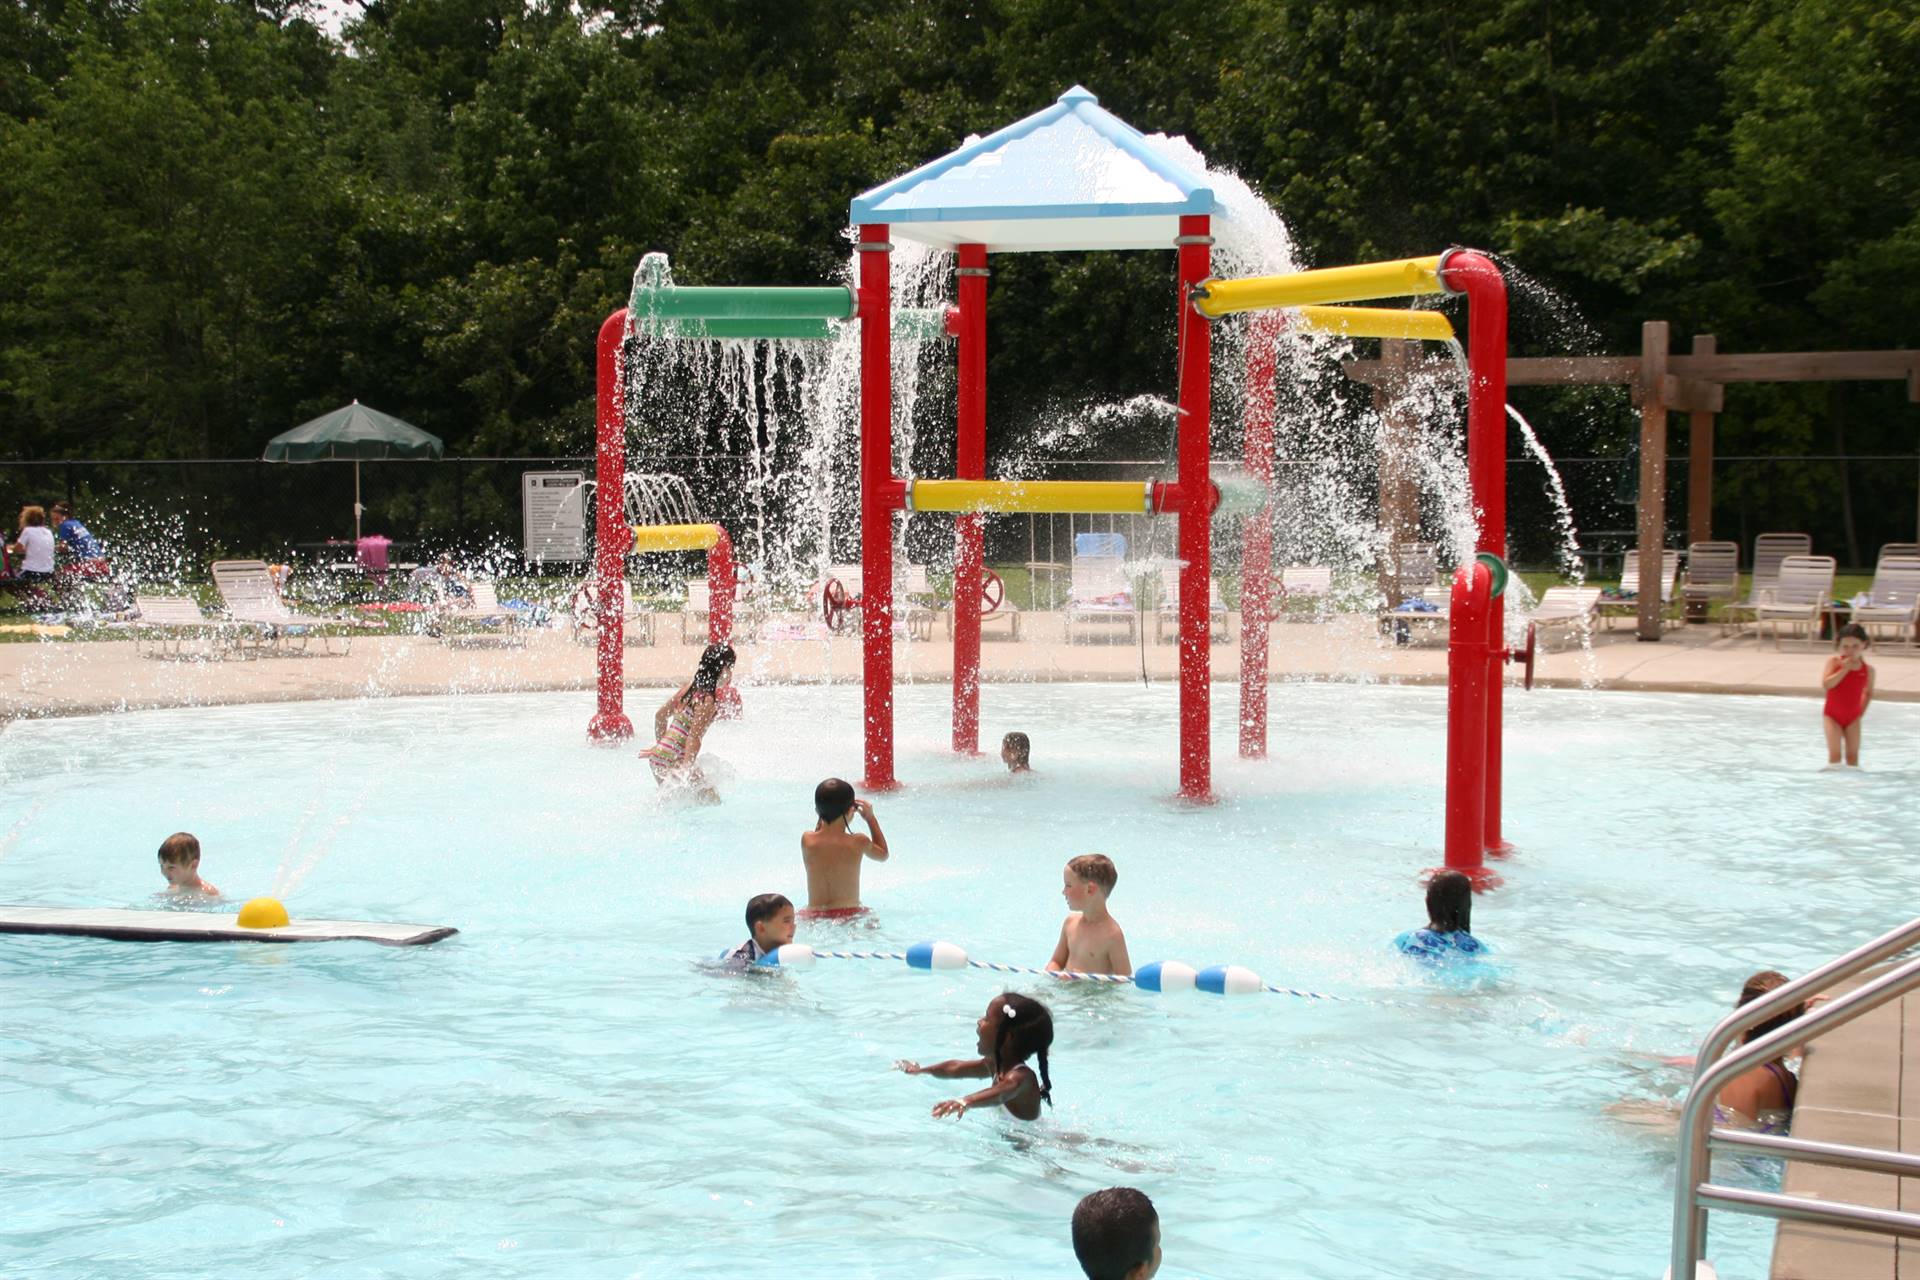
1661	383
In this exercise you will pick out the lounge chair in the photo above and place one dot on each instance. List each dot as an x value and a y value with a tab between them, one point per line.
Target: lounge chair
1769	550
1894	598
1713	574
476	615
1099	591
247	591
1218	626
1571	607
1418	574
1627	603
1311	584
915	601
1803	592
636	624
164	624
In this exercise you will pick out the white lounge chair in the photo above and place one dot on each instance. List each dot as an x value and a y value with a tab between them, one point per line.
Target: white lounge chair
1099	591
478	615
1769	551
1571	607
1713	573
163	625
1003	612
1803	593
636	624
1218	626
247	591
1627	603
1418	574
1309	584
1894	598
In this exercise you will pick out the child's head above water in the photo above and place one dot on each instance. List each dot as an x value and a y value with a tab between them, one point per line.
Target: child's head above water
1450	903
180	860
770	920
1016	752
1013	1029
1116	1235
1852	639
1090	874
1758	985
833	799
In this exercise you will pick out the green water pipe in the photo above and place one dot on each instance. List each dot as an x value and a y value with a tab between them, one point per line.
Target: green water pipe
922	325
741	302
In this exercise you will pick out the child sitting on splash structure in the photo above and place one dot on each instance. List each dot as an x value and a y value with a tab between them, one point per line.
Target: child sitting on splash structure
1013	1029
770	925
180	864
833	854
1449	922
1091	940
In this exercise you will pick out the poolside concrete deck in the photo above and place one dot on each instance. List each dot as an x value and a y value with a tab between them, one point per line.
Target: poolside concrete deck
1859	1085
71	678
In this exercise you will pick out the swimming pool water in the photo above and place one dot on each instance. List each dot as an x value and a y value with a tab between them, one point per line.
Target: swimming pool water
562	1090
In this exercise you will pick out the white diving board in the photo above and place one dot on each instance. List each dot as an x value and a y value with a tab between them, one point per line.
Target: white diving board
203	926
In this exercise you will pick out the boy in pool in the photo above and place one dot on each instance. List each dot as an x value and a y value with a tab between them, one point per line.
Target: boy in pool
180	864
770	924
1449	922
833	854
1016	752
1090	940
1116	1235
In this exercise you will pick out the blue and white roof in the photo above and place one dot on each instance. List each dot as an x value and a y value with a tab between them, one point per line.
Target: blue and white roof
1071	177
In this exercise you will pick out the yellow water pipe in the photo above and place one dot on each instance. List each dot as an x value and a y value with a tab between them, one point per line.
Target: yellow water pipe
675	537
1378	322
1368	280
1040	497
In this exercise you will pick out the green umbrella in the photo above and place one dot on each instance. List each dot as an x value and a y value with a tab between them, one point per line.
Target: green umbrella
354	433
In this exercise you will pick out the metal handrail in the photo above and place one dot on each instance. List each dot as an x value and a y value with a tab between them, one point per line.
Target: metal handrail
1692	1197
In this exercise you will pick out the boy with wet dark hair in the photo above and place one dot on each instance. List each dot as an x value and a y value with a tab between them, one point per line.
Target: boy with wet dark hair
1016	752
770	924
1116	1235
833	854
180	864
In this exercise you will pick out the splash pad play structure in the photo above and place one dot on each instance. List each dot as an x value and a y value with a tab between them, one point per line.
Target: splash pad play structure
1073	177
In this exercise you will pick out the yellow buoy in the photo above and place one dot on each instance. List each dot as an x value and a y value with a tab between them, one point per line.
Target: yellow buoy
263	913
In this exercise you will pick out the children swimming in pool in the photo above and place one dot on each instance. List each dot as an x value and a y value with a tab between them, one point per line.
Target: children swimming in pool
770	925
1016	752
1762	1097
1449	922
1848	681
180	864
1091	940
1116	1235
1013	1029
833	854
681	723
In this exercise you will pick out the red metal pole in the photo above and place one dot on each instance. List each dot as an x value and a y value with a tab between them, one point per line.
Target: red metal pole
1468	672
1475	275
721	584
1195	514
969	530
878	498
1256	557
610	534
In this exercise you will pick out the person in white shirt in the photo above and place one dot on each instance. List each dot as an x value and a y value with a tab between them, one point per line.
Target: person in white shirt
34	547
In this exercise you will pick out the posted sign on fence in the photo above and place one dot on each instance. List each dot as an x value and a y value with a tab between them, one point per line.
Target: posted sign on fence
553	515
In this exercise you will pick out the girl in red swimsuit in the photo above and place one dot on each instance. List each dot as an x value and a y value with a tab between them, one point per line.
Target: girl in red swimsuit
1848	681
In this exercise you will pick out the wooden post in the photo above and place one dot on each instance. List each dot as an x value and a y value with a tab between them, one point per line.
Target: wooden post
1654	339
1399	509
1700	472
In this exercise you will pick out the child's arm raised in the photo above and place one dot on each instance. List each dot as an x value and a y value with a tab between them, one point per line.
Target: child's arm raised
998	1094
951	1069
877	846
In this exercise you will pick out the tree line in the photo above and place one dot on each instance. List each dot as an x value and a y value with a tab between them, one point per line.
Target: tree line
222	217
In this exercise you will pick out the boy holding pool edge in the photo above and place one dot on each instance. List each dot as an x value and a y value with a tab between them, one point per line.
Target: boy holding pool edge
1091	940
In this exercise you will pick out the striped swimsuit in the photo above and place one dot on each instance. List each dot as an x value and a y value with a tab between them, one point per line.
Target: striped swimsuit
671	750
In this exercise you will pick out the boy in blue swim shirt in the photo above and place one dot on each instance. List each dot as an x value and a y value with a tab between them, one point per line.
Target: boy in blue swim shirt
770	921
1449	921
